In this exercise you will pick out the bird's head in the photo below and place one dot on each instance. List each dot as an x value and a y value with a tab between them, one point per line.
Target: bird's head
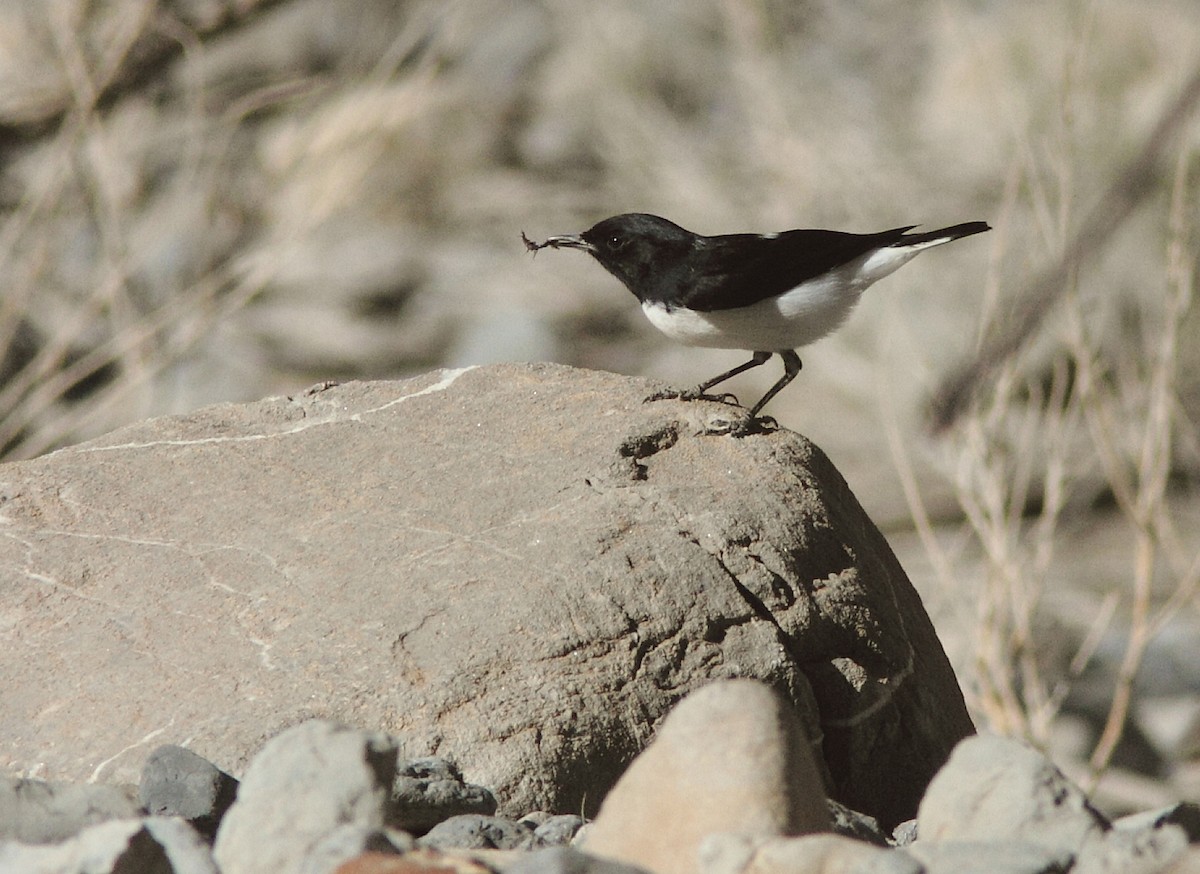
637	248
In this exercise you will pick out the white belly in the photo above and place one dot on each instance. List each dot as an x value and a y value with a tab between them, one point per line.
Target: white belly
795	318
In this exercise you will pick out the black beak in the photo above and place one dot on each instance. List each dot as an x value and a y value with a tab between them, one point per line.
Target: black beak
565	241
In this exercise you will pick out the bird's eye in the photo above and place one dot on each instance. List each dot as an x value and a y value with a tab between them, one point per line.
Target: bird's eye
617	243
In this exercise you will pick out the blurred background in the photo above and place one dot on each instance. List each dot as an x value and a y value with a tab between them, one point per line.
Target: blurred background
207	201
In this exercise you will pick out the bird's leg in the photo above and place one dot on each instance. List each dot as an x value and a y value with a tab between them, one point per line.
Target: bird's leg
753	423
791	366
700	392
758	359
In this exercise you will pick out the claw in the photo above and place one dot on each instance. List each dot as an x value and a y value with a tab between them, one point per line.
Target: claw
692	394
743	427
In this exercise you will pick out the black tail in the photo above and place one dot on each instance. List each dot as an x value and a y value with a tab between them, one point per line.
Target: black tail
944	234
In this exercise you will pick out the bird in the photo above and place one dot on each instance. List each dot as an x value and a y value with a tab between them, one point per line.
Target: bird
769	294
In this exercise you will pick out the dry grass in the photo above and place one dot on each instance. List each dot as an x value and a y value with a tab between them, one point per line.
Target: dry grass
200	208
1071	420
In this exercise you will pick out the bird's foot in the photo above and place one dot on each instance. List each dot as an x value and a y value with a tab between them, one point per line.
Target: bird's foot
743	427
692	394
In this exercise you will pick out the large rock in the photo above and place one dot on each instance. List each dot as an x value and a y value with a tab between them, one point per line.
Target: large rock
520	568
731	757
997	788
998	805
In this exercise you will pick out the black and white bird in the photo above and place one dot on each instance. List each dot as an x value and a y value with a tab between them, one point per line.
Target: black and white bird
765	293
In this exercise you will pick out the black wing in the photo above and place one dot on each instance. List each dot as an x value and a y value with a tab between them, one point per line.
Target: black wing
737	270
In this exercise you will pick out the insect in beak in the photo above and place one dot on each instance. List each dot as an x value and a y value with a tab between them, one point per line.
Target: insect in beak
565	241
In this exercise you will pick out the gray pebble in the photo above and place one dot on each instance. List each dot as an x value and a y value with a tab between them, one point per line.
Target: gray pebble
428	791
37	812
177	782
471	831
557	831
856	825
564	860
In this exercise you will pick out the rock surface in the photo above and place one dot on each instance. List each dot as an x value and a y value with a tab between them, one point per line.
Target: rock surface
563	860
994	788
306	784
810	854
316	798
993	857
556	830
999	805
731	757
472	831
37	812
418	862
177	782
520	568
155	845
430	790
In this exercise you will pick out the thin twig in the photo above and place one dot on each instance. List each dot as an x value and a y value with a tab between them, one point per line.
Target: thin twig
136	64
1133	183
